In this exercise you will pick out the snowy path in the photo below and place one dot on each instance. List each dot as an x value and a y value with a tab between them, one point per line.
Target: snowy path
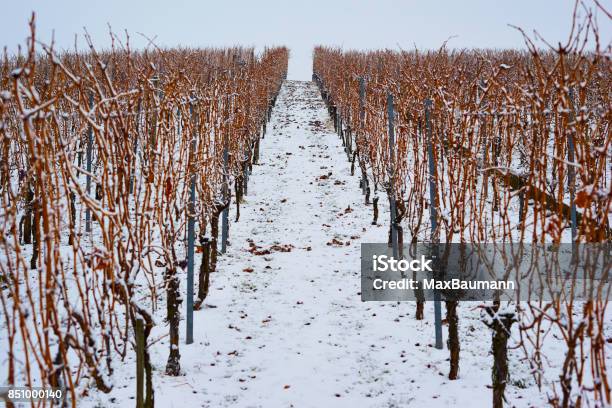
293	332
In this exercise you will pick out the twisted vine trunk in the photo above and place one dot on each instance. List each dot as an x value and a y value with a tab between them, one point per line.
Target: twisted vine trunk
569	366
255	154
148	325
375	204
500	325
499	372
72	218
453	338
204	277
420	303
400	240
35	234
214	232
238	188
173	366
27	218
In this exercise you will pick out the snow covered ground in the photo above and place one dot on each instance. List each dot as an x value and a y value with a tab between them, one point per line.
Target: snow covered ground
289	329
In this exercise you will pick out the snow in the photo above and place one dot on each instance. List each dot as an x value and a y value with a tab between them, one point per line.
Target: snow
16	72
289	328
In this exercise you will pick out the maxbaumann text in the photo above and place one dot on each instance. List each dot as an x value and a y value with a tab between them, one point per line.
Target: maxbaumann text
452	284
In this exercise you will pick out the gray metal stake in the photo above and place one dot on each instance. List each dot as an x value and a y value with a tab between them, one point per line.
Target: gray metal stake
434	222
190	243
190	255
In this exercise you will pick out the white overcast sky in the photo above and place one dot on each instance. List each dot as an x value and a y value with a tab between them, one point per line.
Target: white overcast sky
298	24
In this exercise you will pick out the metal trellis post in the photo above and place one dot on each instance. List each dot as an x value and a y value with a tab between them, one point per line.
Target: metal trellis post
434	222
191	241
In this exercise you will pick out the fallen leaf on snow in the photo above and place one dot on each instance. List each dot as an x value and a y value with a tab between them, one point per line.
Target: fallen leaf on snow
335	242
